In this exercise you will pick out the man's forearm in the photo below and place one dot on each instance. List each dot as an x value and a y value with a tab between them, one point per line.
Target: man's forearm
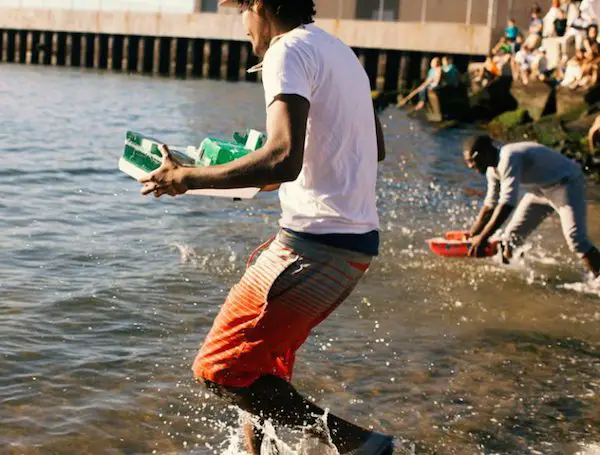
484	216
265	166
499	217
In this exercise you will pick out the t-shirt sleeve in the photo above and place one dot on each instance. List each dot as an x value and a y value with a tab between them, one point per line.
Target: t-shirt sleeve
287	71
509	172
493	189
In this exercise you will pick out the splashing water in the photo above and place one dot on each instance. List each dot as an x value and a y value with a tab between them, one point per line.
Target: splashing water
589	449
589	286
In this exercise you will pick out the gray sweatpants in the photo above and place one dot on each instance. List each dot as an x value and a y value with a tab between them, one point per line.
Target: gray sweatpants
567	198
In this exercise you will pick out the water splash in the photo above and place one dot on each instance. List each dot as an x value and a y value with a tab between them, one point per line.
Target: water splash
589	449
187	253
589	286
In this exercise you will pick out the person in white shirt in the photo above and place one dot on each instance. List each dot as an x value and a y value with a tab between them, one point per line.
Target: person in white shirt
554	183
323	144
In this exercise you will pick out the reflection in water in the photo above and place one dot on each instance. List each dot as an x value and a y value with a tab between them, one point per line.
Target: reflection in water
107	295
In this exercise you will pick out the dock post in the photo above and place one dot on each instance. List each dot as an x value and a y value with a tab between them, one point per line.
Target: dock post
22	46
233	61
61	48
76	50
197	57
214	66
148	55
35	47
133	53
181	56
10	46
164	55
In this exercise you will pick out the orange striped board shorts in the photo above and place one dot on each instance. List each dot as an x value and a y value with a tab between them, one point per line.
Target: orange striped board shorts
291	288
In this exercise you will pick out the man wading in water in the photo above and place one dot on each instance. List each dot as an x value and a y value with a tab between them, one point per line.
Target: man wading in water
554	183
324	141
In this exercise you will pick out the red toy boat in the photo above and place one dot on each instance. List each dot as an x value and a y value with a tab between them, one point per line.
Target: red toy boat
454	244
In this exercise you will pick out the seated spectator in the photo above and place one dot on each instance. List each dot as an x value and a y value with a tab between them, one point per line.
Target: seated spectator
434	79
536	26
550	18
451	76
539	65
590	40
504	46
571	10
589	69
573	71
488	71
511	31
522	64
578	28
518	44
560	24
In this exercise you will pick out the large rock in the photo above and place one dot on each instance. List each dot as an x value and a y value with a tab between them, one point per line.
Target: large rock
567	133
538	98
568	100
492	100
508	120
447	103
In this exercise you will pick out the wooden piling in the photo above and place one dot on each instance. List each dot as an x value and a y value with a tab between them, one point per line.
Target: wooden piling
76	39
61	49
133	53
10	46
233	61
148	54
2	45
164	56
22	46
116	52
392	71
103	51
214	66
198	57
46	48
181	57
89	50
425	63
35	47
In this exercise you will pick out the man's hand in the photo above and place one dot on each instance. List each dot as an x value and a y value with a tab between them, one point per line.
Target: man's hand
478	245
167	179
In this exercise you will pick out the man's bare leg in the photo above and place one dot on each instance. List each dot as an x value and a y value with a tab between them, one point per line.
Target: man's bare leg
253	436
273	398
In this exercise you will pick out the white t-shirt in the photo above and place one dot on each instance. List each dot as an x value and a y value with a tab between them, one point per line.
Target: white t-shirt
529	164
335	191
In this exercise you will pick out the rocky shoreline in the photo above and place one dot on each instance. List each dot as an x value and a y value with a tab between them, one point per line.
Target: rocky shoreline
551	115
557	117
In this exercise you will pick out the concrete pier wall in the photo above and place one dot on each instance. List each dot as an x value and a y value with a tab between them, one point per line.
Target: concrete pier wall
395	54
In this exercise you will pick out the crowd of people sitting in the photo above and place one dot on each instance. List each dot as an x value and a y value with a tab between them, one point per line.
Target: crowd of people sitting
573	31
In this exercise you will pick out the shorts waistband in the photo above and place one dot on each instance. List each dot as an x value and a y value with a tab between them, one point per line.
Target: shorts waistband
315	249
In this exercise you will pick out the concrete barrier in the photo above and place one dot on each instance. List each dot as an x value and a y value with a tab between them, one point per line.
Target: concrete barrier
432	37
